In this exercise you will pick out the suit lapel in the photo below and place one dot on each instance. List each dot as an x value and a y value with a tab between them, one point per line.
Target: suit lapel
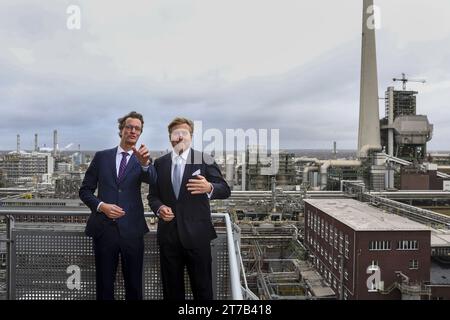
166	167
113	164
186	174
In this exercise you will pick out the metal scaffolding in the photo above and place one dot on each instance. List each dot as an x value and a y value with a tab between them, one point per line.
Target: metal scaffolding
274	260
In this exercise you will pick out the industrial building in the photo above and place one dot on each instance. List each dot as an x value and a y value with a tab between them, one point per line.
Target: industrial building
349	240
2	178
256	174
404	134
68	185
21	165
421	178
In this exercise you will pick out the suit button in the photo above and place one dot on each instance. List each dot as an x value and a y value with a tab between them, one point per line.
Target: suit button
120	190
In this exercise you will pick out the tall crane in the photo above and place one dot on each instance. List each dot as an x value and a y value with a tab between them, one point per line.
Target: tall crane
405	80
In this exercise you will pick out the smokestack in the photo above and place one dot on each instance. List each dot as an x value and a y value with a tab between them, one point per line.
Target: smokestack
18	143
334	149
36	148
244	171
369	125
229	169
55	142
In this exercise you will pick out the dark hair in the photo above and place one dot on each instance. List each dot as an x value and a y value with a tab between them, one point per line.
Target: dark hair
132	114
177	121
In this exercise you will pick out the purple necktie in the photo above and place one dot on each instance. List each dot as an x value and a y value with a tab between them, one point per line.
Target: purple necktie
123	165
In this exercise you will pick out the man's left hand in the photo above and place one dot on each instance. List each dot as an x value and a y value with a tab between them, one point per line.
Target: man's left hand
199	185
143	155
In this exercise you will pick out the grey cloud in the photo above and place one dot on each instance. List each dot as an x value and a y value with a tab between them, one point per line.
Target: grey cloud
313	104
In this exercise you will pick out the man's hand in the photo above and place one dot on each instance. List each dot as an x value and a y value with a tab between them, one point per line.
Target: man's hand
166	213
143	155
112	211
199	185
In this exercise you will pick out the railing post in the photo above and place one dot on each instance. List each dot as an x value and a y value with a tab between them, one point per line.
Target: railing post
236	290
9	284
214	269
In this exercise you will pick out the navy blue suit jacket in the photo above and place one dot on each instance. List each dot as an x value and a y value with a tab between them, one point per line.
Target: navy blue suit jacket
192	213
126	193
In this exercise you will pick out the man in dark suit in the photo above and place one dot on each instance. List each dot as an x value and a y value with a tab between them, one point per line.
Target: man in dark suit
187	180
117	222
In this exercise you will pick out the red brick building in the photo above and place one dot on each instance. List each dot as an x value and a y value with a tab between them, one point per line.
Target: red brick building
417	179
375	255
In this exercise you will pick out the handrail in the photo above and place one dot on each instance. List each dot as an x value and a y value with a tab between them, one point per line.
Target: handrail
236	289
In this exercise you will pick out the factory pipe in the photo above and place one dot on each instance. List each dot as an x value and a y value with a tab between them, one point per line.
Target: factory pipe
334	163
306	170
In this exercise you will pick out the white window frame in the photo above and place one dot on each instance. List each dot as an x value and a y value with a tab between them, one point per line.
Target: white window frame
346	249
414	264
341	242
408	245
379	245
336	239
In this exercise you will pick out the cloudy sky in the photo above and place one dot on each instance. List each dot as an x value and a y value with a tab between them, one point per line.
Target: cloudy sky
288	64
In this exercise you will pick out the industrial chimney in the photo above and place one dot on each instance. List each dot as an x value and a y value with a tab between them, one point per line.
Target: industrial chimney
369	126
55	142
36	148
18	143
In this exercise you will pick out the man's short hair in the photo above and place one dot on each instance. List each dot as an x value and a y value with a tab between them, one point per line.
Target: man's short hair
132	114
179	120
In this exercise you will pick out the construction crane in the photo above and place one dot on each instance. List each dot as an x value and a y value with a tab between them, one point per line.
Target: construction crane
405	80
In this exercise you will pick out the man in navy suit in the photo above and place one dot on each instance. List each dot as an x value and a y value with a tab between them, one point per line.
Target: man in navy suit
186	181
117	223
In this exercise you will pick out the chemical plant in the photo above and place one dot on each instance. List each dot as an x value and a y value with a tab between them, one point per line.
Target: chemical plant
369	224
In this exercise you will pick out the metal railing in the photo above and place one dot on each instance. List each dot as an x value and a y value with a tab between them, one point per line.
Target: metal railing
39	257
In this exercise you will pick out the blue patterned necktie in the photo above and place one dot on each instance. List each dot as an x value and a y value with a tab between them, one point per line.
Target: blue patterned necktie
123	165
176	181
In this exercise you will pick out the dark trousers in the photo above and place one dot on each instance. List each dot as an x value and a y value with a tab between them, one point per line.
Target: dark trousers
173	259
107	248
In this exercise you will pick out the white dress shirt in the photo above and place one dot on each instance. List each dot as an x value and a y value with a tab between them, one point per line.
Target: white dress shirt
182	158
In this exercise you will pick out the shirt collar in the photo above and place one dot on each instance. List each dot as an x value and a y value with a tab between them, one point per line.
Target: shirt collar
120	150
184	155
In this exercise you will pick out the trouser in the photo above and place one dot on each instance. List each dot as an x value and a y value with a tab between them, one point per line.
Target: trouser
107	248
173	258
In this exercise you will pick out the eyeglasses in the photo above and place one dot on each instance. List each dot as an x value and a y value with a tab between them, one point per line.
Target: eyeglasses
129	127
179	133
